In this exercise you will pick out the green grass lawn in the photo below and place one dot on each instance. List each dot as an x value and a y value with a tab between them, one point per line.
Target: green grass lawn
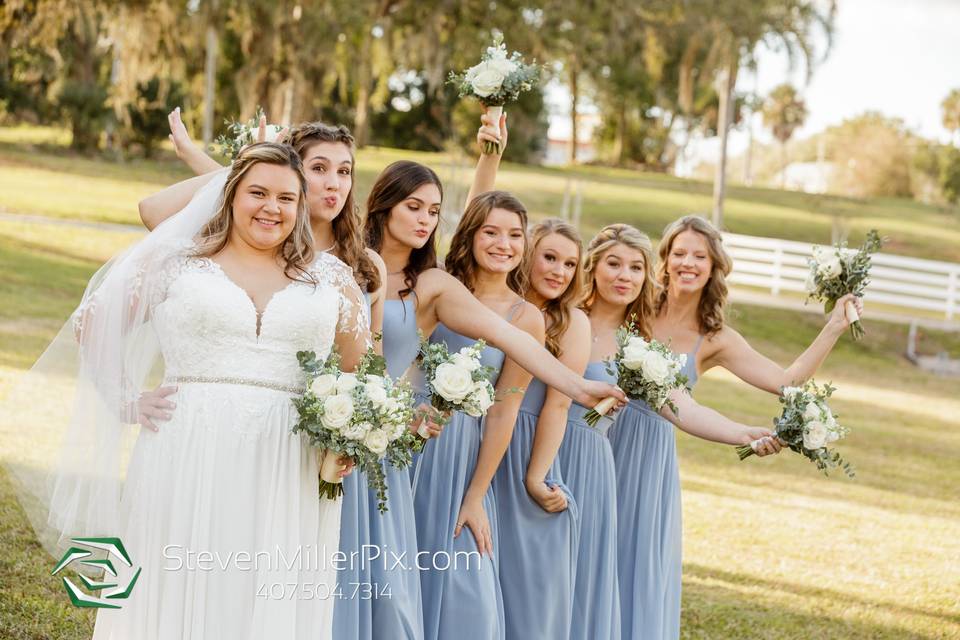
37	175
772	550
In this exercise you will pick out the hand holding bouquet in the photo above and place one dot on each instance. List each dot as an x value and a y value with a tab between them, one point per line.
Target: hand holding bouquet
242	134
456	382
363	416
496	80
806	425
838	271
645	370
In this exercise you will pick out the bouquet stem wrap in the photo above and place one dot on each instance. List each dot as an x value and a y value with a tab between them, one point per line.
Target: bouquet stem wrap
493	112
601	409
331	484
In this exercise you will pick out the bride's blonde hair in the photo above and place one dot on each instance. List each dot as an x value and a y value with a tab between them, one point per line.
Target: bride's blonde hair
297	248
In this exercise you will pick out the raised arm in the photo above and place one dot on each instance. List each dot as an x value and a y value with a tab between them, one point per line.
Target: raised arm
552	423
485	176
194	157
163	204
737	356
456	307
497	431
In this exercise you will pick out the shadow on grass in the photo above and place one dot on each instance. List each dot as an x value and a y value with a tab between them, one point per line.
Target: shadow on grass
717	611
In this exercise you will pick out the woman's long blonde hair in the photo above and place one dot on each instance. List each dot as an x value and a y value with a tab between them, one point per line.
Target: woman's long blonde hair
713	300
297	248
557	311
460	261
641	310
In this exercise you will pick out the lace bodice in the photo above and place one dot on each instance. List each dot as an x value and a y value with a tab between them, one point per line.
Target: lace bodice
207	325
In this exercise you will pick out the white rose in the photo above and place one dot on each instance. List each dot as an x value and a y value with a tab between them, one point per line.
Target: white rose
356	431
813	412
829	267
464	358
391	405
655	367
376	393
397	430
377	440
453	383
346	382
323	386
486	79
337	411
810	285
791	391
480	400
634	352
502	64
814	435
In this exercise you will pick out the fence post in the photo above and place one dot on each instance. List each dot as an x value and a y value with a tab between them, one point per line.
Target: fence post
952	294
777	265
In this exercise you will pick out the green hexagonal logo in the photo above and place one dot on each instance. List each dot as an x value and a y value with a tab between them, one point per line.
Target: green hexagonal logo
104	595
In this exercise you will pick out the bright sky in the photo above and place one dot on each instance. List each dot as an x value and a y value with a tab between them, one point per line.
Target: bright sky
899	57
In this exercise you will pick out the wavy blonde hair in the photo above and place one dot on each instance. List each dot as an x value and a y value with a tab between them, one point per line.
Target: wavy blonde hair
460	261
641	310
347	226
557	311
297	248
713	300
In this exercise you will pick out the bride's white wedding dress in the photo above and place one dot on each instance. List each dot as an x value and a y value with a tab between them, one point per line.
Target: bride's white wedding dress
220	508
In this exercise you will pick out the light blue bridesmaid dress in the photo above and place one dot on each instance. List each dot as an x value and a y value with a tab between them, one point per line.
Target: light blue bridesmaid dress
461	590
537	554
586	462
650	538
379	594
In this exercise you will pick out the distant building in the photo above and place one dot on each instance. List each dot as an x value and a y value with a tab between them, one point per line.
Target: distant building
809	177
558	140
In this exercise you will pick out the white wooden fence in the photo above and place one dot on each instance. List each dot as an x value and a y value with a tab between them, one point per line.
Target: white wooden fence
910	283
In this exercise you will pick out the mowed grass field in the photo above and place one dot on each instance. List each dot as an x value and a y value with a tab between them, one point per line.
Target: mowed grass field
772	549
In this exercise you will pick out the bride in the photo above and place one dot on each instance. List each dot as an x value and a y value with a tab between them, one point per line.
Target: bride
220	506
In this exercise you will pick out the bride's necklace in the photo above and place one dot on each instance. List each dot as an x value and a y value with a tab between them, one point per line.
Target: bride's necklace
328	248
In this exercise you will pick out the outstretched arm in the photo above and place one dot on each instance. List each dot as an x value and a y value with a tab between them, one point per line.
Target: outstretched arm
163	204
737	356
458	309
705	423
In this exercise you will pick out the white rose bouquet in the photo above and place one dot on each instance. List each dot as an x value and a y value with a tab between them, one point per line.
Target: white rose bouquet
456	382
646	370
241	134
495	81
837	271
807	426
364	415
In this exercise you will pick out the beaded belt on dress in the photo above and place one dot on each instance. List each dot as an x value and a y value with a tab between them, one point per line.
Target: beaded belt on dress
250	382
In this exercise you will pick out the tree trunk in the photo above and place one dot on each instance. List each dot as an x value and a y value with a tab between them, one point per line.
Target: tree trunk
783	164
210	74
574	97
361	123
726	79
619	143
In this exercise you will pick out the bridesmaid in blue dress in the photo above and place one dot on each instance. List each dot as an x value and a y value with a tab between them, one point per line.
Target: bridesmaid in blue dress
538	551
456	515
619	271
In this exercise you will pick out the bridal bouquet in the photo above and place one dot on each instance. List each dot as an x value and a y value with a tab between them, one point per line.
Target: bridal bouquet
807	426
837	271
364	416
241	134
496	80
458	381
645	370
